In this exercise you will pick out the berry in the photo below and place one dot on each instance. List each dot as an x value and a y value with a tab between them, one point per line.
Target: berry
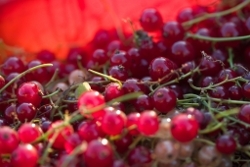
26	112
29	92
59	134
151	20
244	113
148	123
29	132
24	155
113	122
161	68
90	130
184	127
89	100
9	140
13	64
99	152
164	100
139	156
226	144
182	52
112	91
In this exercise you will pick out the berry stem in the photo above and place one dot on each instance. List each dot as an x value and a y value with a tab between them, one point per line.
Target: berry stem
227	113
204	141
52	94
217	39
218	14
22	74
53	77
231	57
175	80
78	150
47	149
106	76
213	128
211	86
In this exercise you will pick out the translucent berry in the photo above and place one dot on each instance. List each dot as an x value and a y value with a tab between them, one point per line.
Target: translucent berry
151	20
148	123
9	140
25	155
226	144
29	92
29	132
99	152
89	100
113	122
184	127
59	134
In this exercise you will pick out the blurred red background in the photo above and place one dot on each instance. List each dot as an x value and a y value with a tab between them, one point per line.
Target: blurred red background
57	25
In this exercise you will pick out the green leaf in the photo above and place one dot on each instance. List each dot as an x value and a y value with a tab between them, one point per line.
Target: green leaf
81	89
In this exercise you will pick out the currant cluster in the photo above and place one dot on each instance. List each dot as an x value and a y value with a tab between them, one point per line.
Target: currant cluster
172	93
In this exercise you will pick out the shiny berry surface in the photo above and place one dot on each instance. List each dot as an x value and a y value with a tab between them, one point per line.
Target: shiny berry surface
29	92
98	152
164	100
24	155
184	127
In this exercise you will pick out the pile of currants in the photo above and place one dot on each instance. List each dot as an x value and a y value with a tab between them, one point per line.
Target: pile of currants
171	94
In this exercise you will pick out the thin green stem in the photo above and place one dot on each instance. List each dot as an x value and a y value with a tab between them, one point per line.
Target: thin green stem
231	57
209	130
22	74
175	80
51	94
204	141
214	85
217	39
106	76
227	113
218	14
53	77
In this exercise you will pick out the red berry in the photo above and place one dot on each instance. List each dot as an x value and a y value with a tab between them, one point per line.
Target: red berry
9	140
184	127
246	90
13	64
26	112
244	114
98	152
24	155
161	67
46	56
226	144
143	102
59	134
90	130
113	122
29	132
120	58
89	100
173	31
72	142
29	92
123	143
139	156
164	100
132	122
99	56
182	52
148	123
151	20
112	91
